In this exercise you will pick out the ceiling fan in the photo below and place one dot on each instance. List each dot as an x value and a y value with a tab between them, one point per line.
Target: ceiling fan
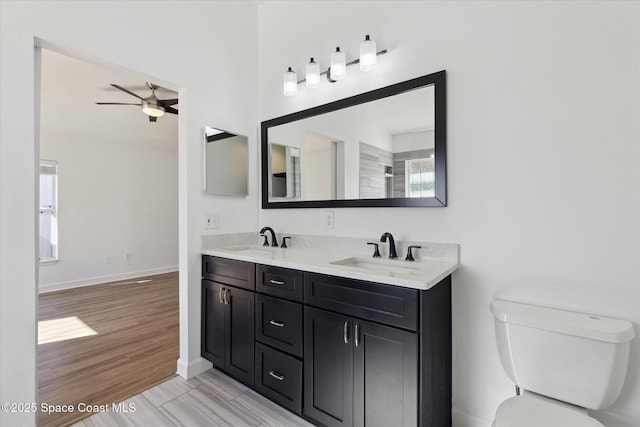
151	105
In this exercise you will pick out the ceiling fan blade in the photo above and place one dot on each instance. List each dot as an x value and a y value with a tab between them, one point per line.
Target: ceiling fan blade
170	110
127	91
116	103
153	119
167	102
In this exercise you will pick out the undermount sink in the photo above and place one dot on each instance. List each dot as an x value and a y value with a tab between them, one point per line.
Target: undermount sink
370	264
253	250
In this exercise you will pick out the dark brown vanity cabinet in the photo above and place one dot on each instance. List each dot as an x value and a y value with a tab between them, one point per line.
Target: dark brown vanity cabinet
385	367
337	351
228	316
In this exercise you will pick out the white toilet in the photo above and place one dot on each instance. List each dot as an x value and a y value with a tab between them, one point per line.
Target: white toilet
564	363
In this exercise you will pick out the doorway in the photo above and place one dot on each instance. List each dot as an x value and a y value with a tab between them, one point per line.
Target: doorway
112	230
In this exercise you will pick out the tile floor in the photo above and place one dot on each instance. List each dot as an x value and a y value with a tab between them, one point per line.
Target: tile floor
209	399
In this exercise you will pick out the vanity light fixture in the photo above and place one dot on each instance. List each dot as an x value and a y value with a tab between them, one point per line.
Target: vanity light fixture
368	54
312	75
338	68
290	83
338	65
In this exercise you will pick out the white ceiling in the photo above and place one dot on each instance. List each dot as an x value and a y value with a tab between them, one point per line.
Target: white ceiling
70	89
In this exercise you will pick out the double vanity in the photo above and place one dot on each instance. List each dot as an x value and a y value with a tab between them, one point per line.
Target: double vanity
329	332
321	325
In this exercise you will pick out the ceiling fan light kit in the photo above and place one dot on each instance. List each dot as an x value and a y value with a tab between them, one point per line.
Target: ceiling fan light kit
151	108
151	105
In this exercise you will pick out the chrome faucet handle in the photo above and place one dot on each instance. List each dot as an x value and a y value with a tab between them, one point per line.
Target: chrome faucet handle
376	252
284	242
266	240
410	254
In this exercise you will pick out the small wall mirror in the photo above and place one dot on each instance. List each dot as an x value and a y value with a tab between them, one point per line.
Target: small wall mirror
386	147
226	162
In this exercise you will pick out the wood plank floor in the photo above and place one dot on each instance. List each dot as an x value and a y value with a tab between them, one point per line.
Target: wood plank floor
105	343
209	399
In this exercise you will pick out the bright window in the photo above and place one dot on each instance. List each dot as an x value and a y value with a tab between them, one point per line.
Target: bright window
419	177
48	211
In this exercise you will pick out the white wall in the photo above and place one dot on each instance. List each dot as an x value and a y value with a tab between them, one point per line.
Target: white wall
543	154
191	52
115	197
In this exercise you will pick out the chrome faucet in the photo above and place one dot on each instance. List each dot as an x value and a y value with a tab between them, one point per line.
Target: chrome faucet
274	242
392	244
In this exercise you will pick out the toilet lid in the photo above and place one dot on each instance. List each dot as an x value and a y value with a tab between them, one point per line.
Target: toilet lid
524	411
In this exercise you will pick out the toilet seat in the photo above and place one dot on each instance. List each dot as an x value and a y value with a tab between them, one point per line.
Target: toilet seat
527	411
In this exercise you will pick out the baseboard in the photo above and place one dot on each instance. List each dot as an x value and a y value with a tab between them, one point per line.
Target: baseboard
51	287
193	368
462	419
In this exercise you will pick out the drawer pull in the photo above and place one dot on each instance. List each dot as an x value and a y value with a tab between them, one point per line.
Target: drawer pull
276	375
276	282
274	323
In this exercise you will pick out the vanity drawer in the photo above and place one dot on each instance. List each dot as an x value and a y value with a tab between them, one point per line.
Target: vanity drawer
229	271
280	282
279	377
279	324
391	305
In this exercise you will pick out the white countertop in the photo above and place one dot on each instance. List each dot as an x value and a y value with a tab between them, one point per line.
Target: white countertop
420	274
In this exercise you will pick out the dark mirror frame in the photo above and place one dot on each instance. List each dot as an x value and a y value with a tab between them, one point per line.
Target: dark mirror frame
440	146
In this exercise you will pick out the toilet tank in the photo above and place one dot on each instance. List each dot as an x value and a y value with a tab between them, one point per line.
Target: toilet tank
573	357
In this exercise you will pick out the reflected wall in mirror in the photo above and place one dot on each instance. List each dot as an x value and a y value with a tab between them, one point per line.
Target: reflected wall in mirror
226	163
381	148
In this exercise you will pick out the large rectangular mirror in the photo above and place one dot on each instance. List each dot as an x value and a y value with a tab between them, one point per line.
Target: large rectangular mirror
386	147
226	163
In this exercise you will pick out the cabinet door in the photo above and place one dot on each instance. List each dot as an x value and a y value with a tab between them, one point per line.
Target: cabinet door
385	376
212	327
239	334
328	367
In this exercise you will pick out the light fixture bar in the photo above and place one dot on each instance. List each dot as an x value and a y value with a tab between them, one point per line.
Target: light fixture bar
355	61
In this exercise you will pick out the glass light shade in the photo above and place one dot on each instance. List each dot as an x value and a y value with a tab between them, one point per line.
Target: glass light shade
151	108
290	83
312	75
338	65
368	54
